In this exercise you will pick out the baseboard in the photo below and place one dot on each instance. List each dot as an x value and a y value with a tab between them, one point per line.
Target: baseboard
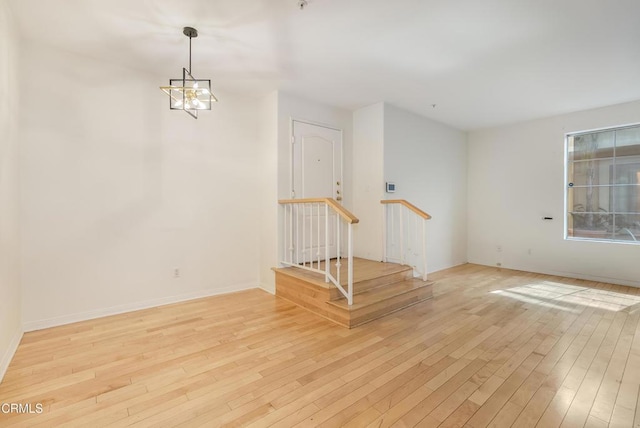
9	353
268	288
449	267
574	275
130	307
594	278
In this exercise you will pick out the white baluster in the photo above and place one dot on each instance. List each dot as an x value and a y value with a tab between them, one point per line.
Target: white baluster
384	233
338	260
311	236
312	254
418	247
304	234
424	249
327	264
318	249
349	265
392	229
297	234
284	229
290	233
401	237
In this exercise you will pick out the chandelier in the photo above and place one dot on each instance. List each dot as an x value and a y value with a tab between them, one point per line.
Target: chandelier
188	93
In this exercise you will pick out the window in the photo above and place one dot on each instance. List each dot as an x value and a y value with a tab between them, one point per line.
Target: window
603	185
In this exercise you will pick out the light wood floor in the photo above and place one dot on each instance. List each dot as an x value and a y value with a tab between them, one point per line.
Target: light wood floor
492	348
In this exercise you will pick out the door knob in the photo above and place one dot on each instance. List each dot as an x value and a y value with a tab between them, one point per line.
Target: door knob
338	198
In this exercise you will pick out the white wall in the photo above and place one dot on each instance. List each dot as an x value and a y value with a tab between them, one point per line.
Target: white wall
10	294
118	191
427	161
516	177
368	180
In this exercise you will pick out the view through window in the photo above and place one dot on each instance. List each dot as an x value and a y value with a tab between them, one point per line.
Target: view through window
603	185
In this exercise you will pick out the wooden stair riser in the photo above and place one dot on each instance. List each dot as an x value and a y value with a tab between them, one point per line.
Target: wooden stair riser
324	311
360	316
309	296
302	287
368	284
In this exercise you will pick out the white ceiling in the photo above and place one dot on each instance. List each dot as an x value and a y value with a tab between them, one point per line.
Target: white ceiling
482	63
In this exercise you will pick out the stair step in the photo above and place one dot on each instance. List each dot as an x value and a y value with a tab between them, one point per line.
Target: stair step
383	300
378	294
396	274
379	289
367	274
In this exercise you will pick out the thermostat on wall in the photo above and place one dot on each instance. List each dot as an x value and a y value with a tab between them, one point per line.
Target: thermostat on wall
391	187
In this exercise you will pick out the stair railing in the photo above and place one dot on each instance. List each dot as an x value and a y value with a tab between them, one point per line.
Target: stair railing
404	235
312	237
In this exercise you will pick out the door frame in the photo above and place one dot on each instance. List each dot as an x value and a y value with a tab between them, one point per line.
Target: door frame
293	119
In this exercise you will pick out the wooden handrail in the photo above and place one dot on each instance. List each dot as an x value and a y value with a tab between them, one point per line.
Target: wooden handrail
409	205
345	214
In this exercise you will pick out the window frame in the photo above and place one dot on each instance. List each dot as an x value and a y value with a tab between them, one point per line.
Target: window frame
566	210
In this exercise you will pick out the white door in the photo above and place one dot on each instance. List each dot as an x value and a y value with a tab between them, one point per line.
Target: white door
316	173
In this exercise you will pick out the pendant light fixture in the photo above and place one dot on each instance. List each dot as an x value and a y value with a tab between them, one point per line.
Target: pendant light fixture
189	94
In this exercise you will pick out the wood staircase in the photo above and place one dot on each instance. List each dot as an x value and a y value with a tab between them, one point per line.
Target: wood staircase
378	290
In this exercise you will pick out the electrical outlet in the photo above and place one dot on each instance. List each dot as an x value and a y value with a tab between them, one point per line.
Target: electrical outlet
498	264
176	272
